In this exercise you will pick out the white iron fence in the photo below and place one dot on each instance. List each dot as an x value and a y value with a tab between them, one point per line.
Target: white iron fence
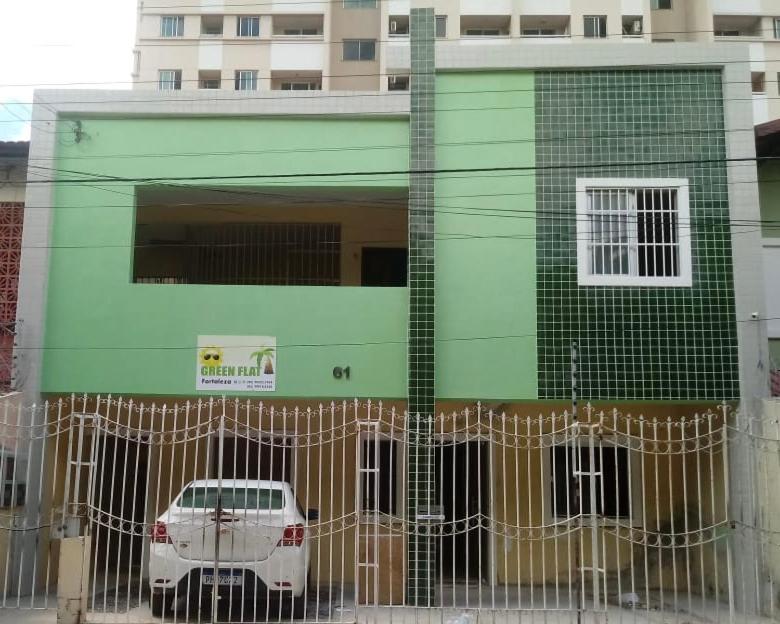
116	510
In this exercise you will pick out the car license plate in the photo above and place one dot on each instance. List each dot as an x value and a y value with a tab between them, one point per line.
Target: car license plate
225	578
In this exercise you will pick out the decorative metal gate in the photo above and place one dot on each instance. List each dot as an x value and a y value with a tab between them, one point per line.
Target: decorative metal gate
117	510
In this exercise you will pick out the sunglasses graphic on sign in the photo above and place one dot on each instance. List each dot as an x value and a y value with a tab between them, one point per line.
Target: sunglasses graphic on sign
211	356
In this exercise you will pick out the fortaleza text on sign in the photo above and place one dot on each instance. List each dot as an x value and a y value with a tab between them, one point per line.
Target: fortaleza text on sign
236	363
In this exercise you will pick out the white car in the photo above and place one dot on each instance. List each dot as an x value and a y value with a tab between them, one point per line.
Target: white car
253	532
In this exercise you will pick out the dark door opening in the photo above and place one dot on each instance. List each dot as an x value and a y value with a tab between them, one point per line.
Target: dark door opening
267	459
120	490
384	266
462	481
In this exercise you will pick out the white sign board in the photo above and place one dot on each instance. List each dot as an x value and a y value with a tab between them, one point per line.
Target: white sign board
228	364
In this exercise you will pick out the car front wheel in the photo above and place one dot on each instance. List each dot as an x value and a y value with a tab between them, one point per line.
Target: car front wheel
161	603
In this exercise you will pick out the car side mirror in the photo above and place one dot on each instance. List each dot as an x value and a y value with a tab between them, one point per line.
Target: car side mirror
313	514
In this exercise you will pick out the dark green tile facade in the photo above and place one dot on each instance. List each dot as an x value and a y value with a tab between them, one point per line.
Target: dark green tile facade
420	485
635	343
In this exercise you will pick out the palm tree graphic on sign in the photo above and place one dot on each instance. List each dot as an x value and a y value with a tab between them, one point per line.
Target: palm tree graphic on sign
265	359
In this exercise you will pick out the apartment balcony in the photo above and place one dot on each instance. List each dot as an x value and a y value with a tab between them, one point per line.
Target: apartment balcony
738	27
545	28
478	28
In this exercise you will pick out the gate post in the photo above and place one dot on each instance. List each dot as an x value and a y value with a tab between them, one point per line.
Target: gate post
72	589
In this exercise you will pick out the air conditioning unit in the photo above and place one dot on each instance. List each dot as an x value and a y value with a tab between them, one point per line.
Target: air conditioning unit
636	27
393	79
393	26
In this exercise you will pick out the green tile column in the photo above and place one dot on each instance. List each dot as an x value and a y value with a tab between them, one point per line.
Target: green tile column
421	486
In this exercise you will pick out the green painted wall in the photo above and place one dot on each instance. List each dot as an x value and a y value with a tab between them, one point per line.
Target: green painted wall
485	224
105	334
769	193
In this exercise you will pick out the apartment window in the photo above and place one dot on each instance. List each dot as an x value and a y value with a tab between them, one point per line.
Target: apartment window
611	473
398	83
661	4
300	32
441	26
211	25
12	474
777	27
169	80
301	86
248	26
595	26
379	481
360	4
538	32
359	49
758	82
246	80
172	26
633	232
482	32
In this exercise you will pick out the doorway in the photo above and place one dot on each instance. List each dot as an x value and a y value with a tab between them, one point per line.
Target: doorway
120	494
245	458
462	482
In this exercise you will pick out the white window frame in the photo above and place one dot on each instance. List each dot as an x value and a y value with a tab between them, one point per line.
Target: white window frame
241	18
586	278
598	34
175	77
440	19
603	444
310	85
656	6
177	23
360	44
239	81
776	24
359	4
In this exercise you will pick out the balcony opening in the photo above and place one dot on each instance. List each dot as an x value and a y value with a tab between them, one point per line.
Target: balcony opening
209	79
211	25
544	25
398	83
296	81
271	236
633	26
298	25
484	25
737	26
398	25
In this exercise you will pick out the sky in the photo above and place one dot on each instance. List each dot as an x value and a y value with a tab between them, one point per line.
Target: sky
60	44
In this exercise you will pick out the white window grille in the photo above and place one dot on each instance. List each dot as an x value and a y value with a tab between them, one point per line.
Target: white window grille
777	27
359	49
246	80
248	26
595	26
633	232
169	80
172	26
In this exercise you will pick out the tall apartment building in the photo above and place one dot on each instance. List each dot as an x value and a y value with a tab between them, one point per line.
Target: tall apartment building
343	44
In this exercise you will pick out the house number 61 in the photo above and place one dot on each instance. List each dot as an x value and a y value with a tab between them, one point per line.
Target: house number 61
339	372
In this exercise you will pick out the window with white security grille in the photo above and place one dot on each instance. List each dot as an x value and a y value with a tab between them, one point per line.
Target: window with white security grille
172	26
633	233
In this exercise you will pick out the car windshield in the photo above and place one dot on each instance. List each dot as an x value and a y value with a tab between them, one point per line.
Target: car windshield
200	496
